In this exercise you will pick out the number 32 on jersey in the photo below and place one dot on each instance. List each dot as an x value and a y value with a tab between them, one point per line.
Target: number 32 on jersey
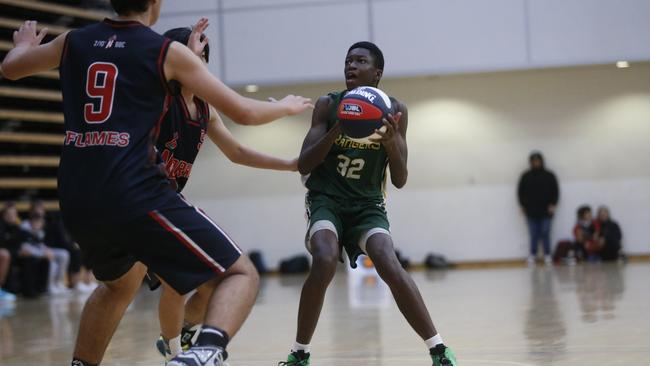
350	168
100	87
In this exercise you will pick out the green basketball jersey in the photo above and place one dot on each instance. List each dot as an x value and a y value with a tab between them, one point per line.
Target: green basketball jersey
351	170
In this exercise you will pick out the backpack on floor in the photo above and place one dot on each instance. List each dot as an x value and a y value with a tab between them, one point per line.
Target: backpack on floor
296	264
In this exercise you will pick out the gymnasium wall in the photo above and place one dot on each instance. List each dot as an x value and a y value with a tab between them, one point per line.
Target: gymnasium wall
276	42
469	138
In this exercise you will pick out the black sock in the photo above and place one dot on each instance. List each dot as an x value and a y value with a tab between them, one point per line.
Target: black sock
301	355
211	336
439	349
78	362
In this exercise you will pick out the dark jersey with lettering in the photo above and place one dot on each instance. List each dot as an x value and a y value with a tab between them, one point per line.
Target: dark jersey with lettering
181	138
114	96
351	170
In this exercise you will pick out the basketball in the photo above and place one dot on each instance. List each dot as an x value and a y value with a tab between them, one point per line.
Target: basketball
361	111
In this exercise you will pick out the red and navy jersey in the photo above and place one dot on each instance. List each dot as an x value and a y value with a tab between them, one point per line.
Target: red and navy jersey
181	137
114	96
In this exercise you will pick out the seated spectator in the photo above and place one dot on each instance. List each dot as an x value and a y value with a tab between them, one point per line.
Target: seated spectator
33	246
32	271
610	235
586	232
56	236
5	266
9	236
5	261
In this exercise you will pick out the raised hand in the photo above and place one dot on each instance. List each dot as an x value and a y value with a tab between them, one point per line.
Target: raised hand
295	104
195	44
28	35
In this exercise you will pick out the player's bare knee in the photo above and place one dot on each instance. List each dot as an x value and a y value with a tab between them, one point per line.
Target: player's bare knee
324	247
382	253
244	267
125	286
324	266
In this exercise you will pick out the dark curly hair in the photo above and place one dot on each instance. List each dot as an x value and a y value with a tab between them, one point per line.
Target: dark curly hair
124	7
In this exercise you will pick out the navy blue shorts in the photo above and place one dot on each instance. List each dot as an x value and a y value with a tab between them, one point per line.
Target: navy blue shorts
178	242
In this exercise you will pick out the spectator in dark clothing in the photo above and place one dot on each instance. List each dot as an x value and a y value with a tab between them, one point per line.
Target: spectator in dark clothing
610	235
57	237
33	245
586	233
5	254
33	271
538	194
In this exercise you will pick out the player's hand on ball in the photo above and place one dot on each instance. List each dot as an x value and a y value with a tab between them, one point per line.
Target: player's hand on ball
27	35
195	44
296	104
391	123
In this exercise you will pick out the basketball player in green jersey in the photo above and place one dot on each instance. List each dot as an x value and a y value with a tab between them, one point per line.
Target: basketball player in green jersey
346	210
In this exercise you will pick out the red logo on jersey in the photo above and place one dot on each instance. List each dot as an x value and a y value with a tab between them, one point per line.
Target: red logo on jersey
175	168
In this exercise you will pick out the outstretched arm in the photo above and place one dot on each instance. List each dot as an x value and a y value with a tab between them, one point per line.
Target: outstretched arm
29	56
240	154
318	140
394	140
182	65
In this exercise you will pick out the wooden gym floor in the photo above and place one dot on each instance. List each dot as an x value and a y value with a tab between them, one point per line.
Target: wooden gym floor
566	316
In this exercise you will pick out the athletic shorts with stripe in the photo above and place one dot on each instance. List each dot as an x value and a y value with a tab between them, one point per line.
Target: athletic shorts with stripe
177	241
353	221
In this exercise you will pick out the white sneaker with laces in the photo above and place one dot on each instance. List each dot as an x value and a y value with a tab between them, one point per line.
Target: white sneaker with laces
548	261
531	261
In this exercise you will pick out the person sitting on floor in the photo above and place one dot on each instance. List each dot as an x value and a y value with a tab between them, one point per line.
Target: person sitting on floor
610	235
586	232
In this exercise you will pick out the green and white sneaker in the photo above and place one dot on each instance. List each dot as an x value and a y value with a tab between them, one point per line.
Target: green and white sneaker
299	358
443	356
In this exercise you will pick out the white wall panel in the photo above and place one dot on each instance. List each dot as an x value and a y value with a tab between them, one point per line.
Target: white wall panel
431	36
248	4
578	31
168	22
291	45
419	37
171	7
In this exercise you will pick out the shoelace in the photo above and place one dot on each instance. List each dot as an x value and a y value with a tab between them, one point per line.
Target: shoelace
220	360
298	363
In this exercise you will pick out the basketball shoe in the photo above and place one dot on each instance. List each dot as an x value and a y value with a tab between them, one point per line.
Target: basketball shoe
443	356
201	356
299	358
188	337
